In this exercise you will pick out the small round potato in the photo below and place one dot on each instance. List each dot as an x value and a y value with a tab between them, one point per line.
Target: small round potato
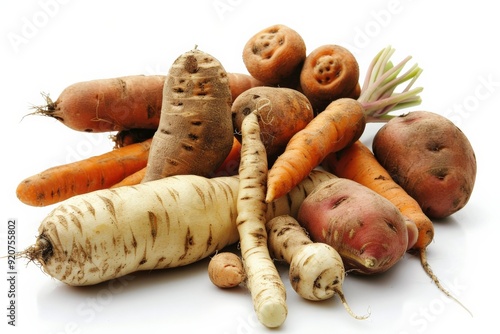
431	158
225	270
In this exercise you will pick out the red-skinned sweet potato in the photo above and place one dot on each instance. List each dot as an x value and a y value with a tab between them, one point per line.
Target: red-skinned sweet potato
367	230
429	157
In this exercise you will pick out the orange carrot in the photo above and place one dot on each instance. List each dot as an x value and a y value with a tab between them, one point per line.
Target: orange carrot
122	103
132	179
62	182
342	123
338	126
112	104
359	164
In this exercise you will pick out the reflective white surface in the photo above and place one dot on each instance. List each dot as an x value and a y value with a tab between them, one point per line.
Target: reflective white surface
49	44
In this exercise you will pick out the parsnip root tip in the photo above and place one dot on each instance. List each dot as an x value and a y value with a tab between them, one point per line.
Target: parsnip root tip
425	264
340	293
272	313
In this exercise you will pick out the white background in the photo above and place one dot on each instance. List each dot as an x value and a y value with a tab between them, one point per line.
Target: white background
47	45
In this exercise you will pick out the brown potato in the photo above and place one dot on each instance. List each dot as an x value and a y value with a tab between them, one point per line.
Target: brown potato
282	113
431	158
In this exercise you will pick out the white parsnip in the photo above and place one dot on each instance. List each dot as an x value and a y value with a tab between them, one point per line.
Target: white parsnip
174	221
263	280
104	234
316	269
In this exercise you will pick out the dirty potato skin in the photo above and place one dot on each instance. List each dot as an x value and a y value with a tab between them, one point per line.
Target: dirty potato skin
430	158
282	113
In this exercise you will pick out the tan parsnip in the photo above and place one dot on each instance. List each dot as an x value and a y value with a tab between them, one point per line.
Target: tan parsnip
316	269
263	280
108	233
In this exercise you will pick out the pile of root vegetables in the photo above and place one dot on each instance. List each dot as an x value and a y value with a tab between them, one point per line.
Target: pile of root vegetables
270	160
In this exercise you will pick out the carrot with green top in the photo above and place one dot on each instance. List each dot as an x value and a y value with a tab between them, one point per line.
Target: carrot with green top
343	122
